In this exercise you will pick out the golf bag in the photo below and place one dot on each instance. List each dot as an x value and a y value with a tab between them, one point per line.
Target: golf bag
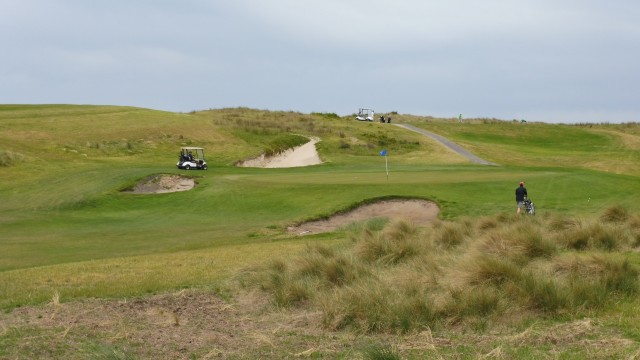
529	207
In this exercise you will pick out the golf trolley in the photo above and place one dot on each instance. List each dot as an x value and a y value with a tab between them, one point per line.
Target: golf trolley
529	207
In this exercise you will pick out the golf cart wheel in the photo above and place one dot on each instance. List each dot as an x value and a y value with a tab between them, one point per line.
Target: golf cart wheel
187	167
205	167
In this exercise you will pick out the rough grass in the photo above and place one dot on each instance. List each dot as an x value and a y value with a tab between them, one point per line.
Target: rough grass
10	158
283	143
402	279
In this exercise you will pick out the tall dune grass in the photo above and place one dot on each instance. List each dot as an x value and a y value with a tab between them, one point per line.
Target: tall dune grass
283	143
403	278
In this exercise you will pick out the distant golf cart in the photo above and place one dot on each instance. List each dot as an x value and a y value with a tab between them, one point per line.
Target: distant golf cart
365	115
192	158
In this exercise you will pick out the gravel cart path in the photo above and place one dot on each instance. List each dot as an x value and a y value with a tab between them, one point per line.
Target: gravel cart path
448	143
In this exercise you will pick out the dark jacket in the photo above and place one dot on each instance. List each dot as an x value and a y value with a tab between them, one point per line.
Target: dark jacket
521	193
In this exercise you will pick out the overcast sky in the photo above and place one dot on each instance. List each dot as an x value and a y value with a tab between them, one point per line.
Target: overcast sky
539	60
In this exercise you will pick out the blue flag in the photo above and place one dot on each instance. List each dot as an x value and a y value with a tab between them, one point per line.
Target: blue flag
383	153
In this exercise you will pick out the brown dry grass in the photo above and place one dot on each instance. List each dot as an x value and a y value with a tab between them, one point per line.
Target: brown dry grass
201	325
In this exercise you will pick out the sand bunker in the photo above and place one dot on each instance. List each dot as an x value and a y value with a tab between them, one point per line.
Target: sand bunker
158	184
303	155
420	212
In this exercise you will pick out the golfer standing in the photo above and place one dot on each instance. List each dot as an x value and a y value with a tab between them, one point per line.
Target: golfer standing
521	194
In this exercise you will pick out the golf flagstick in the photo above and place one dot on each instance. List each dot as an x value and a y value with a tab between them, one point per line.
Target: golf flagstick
386	167
386	163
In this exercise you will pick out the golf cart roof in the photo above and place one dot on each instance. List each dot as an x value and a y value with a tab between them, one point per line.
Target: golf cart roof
191	148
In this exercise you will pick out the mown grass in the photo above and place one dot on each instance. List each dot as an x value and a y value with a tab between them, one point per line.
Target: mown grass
538	144
133	275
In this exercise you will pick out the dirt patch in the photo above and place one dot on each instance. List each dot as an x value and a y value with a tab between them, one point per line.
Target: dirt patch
157	184
197	324
183	325
420	212
304	155
166	326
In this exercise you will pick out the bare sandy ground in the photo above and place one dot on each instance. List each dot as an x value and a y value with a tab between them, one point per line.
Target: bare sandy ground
304	155
419	212
163	183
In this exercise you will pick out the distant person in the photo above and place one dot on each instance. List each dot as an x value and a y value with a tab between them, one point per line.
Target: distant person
389	119
521	194
382	119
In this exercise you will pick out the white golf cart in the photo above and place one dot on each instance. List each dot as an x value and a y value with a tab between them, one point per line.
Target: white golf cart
192	158
365	115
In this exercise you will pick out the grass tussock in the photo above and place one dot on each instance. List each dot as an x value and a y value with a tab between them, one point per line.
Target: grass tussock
593	235
393	245
403	278
615	213
10	158
450	234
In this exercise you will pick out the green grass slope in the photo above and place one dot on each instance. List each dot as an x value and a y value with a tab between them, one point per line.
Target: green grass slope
604	147
62	168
